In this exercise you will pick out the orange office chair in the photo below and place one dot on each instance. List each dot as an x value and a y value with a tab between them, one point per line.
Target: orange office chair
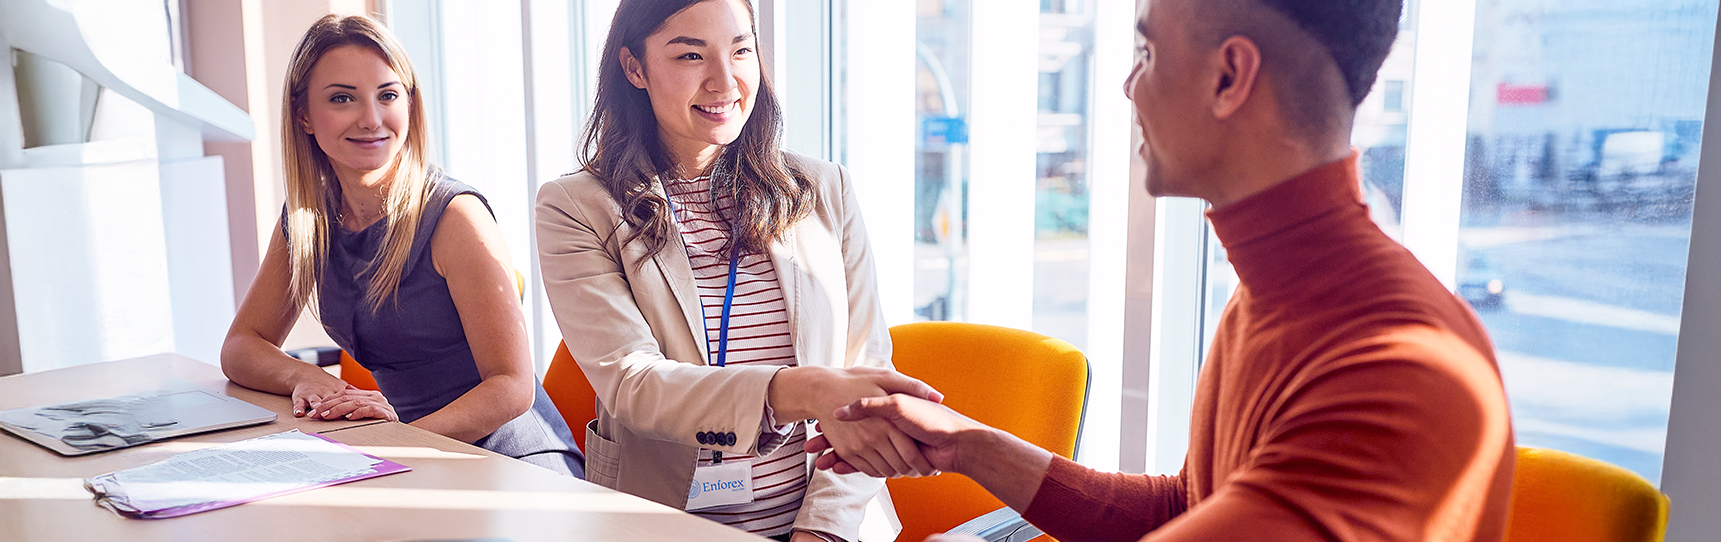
361	378
356	374
567	386
1031	385
1562	497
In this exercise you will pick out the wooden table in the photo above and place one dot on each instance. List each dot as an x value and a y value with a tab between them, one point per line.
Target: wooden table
455	490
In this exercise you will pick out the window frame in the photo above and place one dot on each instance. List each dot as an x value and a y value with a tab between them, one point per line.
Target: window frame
1688	473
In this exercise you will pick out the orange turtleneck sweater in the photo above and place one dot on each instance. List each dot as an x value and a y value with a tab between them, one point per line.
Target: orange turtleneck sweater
1348	396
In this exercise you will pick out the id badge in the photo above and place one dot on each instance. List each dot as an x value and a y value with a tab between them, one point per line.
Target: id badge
730	482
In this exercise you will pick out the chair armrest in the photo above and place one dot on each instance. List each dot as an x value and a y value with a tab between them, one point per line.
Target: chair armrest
1001	525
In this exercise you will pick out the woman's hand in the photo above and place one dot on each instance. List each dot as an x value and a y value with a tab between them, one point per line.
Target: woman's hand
322	401
311	392
870	446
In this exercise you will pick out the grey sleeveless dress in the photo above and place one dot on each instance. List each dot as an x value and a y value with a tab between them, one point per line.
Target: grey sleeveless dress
414	344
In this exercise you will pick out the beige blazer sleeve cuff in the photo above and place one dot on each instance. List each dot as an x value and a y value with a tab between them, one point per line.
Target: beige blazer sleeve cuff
836	503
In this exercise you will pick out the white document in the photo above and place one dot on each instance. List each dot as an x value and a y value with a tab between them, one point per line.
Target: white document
233	473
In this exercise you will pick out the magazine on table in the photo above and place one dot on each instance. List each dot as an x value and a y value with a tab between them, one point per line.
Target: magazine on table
97	425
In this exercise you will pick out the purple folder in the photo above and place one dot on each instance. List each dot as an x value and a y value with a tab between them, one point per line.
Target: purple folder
110	488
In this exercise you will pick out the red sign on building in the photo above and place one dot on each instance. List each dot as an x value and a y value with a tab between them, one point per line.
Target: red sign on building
1510	94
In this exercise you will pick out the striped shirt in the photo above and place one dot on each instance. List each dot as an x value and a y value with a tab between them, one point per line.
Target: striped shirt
758	335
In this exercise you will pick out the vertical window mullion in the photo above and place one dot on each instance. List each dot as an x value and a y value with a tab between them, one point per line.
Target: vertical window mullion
1434	148
552	127
1110	188
878	106
1688	475
1176	331
1003	125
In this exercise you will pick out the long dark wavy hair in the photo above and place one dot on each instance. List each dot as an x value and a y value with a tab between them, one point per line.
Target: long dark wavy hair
620	146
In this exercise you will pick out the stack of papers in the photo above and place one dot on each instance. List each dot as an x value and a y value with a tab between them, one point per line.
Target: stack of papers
232	474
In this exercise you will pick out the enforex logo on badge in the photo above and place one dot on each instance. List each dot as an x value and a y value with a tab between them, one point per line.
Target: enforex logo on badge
726	485
720	485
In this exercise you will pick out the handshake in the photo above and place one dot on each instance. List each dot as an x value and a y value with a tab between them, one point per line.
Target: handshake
882	423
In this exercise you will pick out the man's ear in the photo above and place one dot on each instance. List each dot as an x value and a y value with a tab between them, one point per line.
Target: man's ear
1239	61
631	66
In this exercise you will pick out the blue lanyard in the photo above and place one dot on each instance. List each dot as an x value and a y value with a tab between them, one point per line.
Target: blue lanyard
728	296
728	299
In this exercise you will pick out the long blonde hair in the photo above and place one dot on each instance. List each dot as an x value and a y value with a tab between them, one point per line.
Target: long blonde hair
312	189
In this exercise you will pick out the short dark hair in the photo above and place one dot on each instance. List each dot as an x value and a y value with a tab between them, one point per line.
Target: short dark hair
1357	33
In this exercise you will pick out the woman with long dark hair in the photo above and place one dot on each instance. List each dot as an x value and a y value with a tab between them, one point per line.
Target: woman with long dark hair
405	267
716	290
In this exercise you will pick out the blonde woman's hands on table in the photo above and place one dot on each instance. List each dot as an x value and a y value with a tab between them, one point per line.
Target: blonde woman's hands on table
326	400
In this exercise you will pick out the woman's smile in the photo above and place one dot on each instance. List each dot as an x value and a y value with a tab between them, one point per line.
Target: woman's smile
720	111
370	143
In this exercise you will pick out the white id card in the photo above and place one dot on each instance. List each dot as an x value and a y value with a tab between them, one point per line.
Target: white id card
730	482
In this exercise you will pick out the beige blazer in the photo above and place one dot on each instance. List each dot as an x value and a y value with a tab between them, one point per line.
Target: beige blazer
637	330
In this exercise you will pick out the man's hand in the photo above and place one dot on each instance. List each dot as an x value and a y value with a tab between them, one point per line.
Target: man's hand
1008	467
875	448
936	428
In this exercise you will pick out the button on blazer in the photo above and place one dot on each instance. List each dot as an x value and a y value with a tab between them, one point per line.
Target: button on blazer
635	325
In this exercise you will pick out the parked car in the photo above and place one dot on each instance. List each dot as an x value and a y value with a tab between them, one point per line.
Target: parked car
1480	283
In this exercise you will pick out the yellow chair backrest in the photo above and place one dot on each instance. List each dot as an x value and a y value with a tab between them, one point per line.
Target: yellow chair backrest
1031	385
361	378
567	386
1562	497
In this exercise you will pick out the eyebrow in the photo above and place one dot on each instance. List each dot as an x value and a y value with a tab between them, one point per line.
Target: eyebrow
696	42
350	87
1141	27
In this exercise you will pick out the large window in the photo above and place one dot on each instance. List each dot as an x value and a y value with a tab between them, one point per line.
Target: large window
1021	185
1579	168
1059	118
941	167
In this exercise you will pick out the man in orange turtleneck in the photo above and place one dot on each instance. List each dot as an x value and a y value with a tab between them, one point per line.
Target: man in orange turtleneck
1348	395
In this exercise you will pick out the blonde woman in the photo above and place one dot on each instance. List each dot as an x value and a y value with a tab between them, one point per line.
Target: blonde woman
406	268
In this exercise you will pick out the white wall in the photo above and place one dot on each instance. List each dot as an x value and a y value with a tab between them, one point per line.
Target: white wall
88	263
116	226
195	222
